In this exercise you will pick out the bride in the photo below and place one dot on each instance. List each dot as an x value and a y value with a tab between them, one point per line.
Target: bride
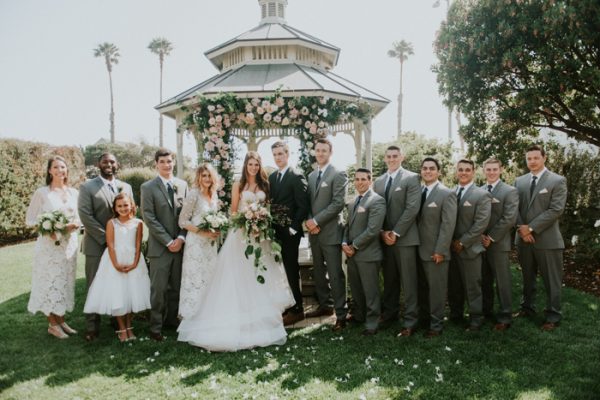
238	312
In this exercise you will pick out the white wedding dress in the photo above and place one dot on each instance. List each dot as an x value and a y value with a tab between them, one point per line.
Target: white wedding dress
199	253
237	312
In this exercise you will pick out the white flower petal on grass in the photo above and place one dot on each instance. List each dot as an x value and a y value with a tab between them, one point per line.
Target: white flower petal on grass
156	353
457	362
428	361
415	366
447	348
574	240
597	223
112	356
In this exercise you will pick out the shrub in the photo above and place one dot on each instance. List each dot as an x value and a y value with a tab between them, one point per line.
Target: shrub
135	177
22	171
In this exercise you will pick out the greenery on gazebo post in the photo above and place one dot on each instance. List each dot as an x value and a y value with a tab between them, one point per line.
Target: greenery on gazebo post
212	120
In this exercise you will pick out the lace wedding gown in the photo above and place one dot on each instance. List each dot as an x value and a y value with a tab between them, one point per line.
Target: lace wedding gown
199	254
53	274
237	312
118	293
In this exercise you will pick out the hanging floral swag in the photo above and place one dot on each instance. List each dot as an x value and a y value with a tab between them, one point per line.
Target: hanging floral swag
212	121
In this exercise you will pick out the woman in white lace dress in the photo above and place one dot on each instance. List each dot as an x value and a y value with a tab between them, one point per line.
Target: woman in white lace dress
200	251
53	275
237	312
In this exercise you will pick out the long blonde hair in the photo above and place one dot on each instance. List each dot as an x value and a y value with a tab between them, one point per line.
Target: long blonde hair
214	177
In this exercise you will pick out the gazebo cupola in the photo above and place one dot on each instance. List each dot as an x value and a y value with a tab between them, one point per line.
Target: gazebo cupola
272	11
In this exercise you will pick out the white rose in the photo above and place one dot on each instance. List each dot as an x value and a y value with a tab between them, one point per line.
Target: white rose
59	226
47	225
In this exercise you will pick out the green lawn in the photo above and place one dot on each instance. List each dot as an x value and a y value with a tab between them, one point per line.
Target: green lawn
522	363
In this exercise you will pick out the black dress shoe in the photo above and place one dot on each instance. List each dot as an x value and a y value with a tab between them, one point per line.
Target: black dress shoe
351	319
158	337
320	312
523	314
340	324
90	336
369	332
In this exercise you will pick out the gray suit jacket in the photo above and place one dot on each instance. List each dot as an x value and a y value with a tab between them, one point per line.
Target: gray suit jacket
402	206
437	220
543	210
326	204
473	217
160	216
505	207
95	210
363	227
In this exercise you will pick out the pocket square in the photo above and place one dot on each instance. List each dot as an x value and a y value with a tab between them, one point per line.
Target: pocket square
467	204
495	200
544	190
432	204
324	184
360	209
398	189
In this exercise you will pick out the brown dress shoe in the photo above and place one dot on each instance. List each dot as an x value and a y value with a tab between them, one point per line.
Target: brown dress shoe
339	325
406	332
549	326
158	337
501	326
431	334
292	317
320	312
369	332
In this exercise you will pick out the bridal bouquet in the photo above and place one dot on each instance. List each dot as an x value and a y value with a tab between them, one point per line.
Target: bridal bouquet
256	222
54	222
214	221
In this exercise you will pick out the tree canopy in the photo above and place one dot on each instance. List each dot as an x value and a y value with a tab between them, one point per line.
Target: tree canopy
513	67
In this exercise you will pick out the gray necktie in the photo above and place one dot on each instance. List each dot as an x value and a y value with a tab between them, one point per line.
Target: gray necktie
460	192
171	193
532	187
388	185
318	179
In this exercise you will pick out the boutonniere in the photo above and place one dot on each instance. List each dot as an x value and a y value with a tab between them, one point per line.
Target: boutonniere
119	188
544	190
467	204
324	184
360	209
495	200
175	188
432	204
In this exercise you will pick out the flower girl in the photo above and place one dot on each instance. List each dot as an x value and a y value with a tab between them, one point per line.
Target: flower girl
121	285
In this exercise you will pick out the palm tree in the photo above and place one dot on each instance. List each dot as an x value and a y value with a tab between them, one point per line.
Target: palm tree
111	55
401	50
162	47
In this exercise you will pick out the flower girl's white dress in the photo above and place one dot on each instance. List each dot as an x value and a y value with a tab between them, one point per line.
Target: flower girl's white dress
237	312
117	293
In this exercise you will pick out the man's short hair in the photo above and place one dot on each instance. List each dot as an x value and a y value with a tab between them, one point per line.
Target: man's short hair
465	161
363	170
394	147
492	160
433	160
162	152
536	147
324	141
281	143
104	154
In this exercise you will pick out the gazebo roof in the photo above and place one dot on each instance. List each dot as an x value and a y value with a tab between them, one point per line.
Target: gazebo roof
258	80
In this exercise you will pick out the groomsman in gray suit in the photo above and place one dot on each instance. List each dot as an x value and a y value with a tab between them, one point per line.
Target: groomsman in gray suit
95	210
327	192
437	219
402	191
162	199
473	217
496	240
542	199
363	250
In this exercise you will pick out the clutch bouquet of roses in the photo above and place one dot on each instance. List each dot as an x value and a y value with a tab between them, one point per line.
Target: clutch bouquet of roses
53	223
256	222
214	221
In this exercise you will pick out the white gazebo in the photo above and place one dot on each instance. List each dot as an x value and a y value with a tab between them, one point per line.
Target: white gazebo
277	57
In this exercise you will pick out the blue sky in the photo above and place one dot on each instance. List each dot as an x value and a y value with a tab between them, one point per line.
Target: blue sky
53	90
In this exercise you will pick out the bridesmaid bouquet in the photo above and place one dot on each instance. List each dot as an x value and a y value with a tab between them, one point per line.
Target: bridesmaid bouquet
214	221
54	222
256	222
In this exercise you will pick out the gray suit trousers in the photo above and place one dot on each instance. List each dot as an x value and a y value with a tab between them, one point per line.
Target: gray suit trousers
330	280
165	282
364	284
550	265
400	272
468	282
91	268
496	267
437	285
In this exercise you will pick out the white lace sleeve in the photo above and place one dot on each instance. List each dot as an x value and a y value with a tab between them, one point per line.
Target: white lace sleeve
187	211
75	195
35	207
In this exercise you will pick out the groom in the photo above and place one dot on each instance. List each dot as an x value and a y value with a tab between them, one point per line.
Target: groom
95	210
289	190
162	199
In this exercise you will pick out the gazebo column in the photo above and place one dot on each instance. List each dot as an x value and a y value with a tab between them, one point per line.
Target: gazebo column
358	140
252	145
368	151
180	166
